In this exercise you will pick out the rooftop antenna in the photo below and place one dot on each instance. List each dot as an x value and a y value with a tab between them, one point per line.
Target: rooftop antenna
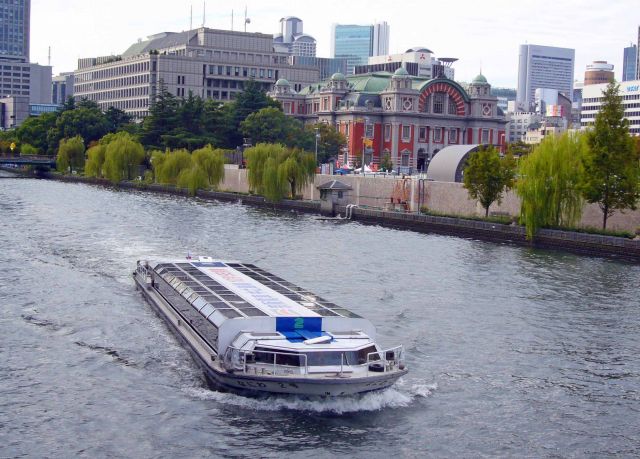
232	20
246	19
191	19
49	58
204	13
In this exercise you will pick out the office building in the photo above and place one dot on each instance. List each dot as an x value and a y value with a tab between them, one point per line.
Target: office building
13	111
598	72
292	40
418	61
61	88
638	56
15	16
544	67
629	63
40	84
406	117
327	66
212	64
592	102
357	43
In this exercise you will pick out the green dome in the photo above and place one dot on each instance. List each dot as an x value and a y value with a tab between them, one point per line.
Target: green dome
401	72
480	79
338	77
282	82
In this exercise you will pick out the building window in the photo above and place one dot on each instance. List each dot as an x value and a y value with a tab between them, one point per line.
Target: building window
437	135
368	131
438	102
485	136
405	158
453	135
423	133
387	132
453	108
406	133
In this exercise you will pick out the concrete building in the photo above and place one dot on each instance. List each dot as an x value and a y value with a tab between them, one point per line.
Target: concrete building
519	124
638	56
504	95
326	65
592	101
408	118
13	111
418	61
544	67
357	43
292	40
598	72
212	64
40	84
629	62
15	18
61	88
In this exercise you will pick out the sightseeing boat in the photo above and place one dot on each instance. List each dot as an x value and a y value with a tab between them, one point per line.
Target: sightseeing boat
253	331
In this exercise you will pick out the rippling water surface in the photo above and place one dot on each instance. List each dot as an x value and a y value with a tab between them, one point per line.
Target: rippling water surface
512	352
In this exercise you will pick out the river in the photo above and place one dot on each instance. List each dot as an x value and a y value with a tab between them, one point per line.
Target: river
512	351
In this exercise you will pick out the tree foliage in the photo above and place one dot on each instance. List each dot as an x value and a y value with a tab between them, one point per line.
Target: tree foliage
487	176
611	165
95	161
123	155
211	162
168	166
71	154
276	171
548	183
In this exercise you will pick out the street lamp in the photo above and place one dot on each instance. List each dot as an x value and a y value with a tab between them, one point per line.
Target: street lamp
364	137
317	138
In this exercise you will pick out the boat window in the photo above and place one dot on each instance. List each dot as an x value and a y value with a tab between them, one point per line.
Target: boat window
263	355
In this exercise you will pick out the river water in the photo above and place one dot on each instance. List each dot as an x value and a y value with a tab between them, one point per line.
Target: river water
512	351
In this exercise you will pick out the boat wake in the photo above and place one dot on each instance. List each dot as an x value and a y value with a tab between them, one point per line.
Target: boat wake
402	395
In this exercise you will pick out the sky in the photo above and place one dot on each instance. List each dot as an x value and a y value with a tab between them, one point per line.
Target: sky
483	35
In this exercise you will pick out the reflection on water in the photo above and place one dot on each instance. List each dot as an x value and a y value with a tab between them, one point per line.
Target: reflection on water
512	351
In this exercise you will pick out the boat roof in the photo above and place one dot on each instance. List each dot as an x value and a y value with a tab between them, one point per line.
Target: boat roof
240	290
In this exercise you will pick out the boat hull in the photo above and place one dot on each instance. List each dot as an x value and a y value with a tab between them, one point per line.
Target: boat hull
218	377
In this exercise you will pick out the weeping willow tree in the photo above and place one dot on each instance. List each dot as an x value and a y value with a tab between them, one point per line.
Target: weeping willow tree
276	171
168	166
548	183
211	162
193	179
95	161
122	157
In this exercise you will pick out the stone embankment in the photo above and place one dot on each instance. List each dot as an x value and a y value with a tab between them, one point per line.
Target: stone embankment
583	243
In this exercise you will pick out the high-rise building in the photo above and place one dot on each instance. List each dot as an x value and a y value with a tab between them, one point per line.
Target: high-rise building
61	88
418	61
15	16
544	67
598	72
638	56
629	62
380	45
357	43
593	99
292	40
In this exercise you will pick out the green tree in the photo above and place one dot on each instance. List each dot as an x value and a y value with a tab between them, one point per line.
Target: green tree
117	119
71	154
34	130
329	141
162	119
95	161
548	181
386	164
123	155
193	179
26	149
252	99
86	121
487	176
211	162
275	170
271	125
167	168
611	165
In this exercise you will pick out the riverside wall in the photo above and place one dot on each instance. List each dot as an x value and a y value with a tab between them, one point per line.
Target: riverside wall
441	197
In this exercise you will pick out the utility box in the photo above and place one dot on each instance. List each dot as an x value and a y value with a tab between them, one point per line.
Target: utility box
333	194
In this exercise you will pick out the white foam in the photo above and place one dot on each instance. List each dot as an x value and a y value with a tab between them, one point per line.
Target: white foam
394	397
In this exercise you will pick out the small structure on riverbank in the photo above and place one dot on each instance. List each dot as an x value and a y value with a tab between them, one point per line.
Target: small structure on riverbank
333	194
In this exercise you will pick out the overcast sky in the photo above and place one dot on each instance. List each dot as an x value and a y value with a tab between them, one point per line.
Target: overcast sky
482	34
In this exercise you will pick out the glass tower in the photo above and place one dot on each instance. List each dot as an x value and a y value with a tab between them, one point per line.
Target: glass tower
629	63
14	30
353	42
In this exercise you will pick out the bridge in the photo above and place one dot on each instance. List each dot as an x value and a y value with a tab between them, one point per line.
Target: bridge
48	162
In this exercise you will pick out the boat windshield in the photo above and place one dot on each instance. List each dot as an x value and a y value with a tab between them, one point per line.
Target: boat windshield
317	358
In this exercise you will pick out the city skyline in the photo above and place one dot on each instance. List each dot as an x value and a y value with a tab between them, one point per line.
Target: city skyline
484	39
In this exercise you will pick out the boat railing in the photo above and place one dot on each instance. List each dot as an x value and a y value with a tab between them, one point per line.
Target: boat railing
391	359
242	360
